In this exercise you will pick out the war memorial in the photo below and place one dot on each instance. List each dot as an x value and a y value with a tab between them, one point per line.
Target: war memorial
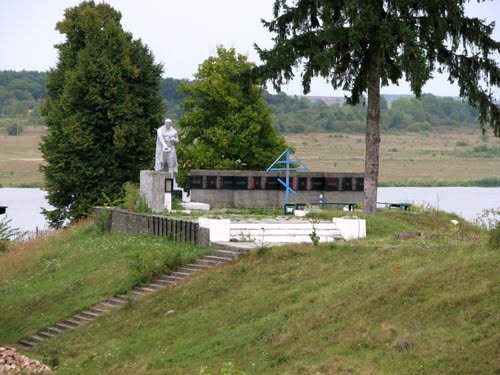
286	184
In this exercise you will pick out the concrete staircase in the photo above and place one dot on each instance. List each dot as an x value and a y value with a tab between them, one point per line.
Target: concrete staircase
217	257
283	232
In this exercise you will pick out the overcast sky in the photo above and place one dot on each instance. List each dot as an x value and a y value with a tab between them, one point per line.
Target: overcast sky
181	34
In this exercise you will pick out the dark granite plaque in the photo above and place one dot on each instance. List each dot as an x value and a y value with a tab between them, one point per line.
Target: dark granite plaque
272	183
347	184
318	183
227	182
360	184
196	182
211	182
240	183
302	183
256	183
331	184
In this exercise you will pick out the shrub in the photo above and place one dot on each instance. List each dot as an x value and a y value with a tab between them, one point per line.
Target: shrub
14	129
494	237
6	232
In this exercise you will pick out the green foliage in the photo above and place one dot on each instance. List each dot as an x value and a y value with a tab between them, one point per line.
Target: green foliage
344	41
14	129
176	203
293	114
7	233
494	237
314	237
21	93
103	220
131	198
226	124
101	110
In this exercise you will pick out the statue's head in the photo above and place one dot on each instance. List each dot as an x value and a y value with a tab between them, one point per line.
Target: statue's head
168	123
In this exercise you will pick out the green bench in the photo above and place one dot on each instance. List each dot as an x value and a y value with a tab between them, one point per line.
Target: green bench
401	206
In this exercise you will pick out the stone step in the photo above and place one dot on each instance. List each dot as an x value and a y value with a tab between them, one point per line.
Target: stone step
144	289
45	334
89	314
136	293
98	310
188	270
54	330
36	339
217	258
171	278
180	274
290	227
155	286
226	254
63	326
70	322
116	301
199	266
107	305
83	318
302	238
26	343
123	297
164	282
208	262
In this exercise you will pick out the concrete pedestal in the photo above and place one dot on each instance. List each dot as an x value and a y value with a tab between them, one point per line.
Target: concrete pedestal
157	188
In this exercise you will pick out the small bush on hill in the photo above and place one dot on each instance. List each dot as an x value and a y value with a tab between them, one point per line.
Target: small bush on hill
494	237
14	129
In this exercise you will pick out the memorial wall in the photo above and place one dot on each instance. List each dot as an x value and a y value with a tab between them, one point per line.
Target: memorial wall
262	189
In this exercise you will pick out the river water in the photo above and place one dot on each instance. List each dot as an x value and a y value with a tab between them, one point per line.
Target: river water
24	205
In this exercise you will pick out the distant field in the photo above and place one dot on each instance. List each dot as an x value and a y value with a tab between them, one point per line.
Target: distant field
411	157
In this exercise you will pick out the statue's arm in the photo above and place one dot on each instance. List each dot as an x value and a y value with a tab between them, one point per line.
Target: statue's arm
175	138
161	138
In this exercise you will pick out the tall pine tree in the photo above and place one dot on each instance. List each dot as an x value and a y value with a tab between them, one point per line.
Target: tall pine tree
359	45
101	111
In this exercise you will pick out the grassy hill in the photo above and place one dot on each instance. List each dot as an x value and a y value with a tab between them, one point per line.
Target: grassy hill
376	306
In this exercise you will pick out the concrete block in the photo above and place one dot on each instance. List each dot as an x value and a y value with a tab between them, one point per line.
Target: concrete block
152	189
195	206
300	213
220	229
350	228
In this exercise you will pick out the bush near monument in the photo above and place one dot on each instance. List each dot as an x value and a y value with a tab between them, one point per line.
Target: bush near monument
101	110
227	124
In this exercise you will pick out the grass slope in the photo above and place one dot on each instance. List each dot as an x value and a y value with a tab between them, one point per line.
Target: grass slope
377	306
47	280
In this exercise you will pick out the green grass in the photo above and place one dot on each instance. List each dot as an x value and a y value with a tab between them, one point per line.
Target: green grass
375	306
48	280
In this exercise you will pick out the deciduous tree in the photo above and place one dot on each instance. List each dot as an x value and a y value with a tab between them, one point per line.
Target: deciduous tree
227	124
101	111
359	45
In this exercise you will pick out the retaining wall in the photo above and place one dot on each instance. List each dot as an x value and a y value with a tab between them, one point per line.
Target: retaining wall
118	220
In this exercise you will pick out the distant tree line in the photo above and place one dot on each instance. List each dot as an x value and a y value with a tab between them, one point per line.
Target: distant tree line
21	94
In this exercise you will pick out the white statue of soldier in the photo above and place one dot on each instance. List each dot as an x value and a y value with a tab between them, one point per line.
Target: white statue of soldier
166	139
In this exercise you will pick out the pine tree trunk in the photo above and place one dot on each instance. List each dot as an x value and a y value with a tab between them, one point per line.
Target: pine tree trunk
372	141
